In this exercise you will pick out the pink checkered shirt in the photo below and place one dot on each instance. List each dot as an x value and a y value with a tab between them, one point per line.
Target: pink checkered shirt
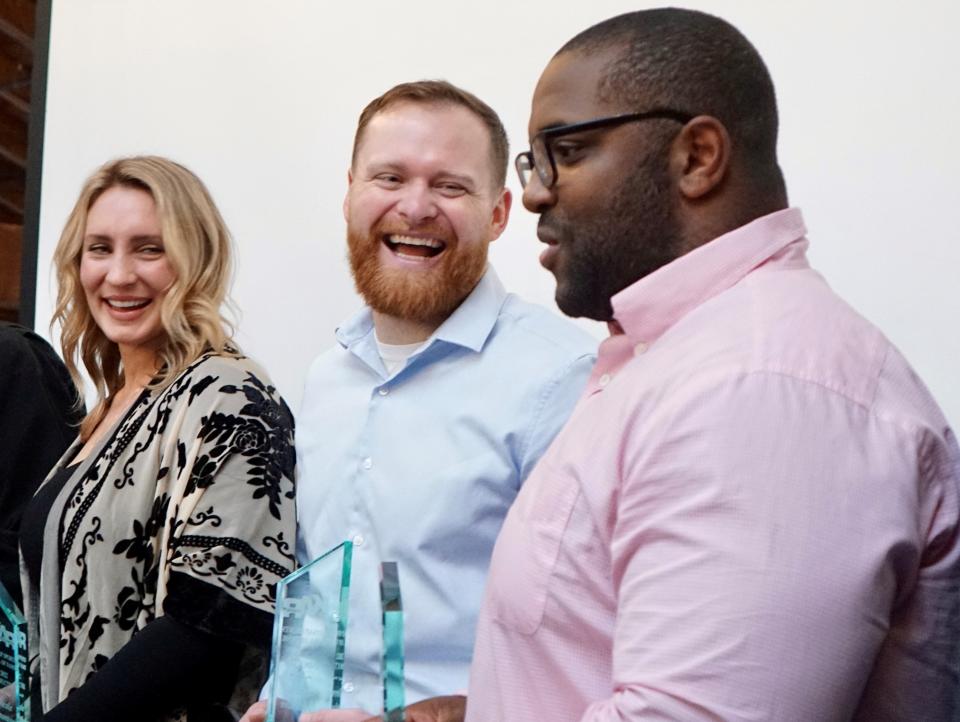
751	515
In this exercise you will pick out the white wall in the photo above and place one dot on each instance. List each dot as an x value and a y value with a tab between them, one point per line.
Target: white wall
260	98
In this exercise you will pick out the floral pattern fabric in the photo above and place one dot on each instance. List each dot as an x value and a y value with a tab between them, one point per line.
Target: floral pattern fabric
186	509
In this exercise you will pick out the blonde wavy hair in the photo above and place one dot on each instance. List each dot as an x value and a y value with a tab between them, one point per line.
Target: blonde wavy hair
198	246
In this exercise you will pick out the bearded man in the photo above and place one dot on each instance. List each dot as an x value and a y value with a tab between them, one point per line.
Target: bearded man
419	427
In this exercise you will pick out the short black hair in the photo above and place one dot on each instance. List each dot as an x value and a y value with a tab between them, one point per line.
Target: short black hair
692	62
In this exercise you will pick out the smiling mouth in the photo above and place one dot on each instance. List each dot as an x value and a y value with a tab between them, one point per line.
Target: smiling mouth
410	247
131	305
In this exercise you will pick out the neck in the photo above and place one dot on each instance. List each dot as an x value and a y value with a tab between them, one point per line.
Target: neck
703	228
139	366
400	331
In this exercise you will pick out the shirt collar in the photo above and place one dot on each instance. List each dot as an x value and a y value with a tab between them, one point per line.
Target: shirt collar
647	308
473	320
468	326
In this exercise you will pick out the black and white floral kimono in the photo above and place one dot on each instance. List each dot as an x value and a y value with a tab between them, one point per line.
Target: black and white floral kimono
186	508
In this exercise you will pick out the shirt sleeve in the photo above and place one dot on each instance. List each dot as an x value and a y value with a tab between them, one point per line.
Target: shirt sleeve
771	538
165	661
236	523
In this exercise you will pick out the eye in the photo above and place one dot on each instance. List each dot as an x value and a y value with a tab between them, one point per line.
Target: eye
450	189
567	152
387	180
97	248
152	250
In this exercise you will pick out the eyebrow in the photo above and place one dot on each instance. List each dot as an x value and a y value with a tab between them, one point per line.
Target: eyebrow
134	239
467	180
458	178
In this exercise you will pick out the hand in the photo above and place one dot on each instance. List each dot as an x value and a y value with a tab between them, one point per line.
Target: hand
450	708
8	696
337	715
258	713
436	709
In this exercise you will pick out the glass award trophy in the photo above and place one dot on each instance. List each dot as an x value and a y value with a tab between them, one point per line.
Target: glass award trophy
310	638
14	700
391	667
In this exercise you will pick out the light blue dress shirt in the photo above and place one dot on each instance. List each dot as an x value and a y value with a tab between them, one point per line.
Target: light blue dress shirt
420	467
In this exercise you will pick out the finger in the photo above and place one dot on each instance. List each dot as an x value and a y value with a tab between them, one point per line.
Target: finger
256	713
336	715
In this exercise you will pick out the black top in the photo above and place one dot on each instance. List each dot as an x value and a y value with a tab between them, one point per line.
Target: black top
38	420
35	517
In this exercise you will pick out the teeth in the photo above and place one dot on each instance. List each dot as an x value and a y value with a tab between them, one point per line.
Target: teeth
127	304
410	241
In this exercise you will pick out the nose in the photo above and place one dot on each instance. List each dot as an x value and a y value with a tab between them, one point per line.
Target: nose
417	204
121	270
536	197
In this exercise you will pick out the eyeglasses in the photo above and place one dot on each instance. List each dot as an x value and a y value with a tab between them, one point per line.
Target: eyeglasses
540	156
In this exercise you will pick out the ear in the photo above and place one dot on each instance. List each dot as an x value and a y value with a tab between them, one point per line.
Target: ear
346	198
501	214
701	154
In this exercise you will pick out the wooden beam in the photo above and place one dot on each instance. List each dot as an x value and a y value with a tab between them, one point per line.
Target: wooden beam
22	14
11	196
16	102
13	71
13	137
10	255
17	35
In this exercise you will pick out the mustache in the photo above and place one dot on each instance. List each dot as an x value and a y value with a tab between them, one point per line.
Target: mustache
546	229
428	228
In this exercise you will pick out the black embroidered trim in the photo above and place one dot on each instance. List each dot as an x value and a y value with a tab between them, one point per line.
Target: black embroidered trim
237	545
122	442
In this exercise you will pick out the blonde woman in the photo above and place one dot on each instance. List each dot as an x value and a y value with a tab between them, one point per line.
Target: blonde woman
152	550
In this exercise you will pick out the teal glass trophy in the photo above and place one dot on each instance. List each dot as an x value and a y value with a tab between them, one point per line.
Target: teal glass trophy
391	668
14	677
310	638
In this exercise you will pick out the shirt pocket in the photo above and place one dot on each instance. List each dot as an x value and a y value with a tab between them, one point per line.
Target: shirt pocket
528	547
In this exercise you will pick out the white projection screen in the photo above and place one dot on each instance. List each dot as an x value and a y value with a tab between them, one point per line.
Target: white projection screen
261	97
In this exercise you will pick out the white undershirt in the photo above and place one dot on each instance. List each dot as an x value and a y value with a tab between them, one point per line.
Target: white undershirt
395	356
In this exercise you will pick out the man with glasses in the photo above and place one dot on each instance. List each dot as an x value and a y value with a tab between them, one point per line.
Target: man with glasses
418	428
753	512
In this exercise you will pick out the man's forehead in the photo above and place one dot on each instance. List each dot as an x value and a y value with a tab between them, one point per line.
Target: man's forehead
569	89
437	122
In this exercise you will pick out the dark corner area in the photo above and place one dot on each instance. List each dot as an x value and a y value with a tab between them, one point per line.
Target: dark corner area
24	35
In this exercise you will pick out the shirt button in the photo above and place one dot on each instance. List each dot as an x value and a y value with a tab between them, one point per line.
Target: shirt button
604	380
348	686
368	463
640	348
358	540
383	391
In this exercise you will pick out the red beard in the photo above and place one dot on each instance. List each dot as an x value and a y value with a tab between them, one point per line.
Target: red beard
425	296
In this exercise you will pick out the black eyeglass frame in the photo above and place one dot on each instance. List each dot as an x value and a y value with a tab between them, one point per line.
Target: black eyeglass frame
525	162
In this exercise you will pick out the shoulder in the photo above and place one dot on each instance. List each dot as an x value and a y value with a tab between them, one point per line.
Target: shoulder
228	368
25	356
802	329
331	366
216	375
21	346
781	339
535	329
